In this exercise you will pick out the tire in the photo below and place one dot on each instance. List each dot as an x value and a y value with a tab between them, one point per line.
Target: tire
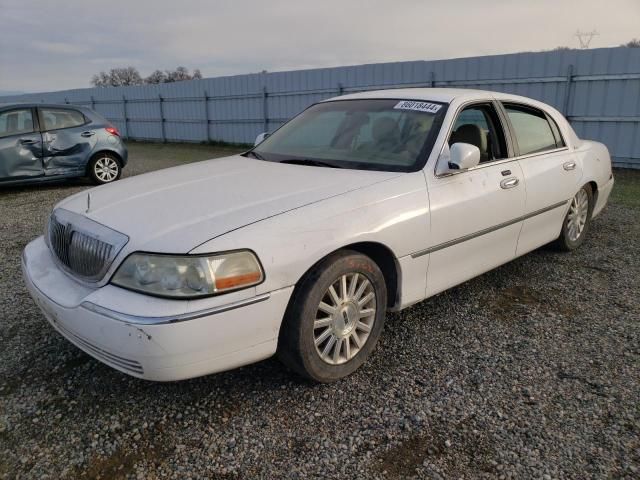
301	347
577	221
104	168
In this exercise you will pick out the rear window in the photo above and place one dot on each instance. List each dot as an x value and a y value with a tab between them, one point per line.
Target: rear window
16	122
56	118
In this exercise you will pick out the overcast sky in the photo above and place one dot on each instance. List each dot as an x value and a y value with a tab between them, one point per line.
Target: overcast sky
52	45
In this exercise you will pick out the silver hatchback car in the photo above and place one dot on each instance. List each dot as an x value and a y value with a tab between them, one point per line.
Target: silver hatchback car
41	142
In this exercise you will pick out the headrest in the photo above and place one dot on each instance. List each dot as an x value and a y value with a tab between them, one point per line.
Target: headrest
470	133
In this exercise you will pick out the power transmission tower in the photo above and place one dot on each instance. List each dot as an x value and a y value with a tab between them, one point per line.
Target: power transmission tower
585	37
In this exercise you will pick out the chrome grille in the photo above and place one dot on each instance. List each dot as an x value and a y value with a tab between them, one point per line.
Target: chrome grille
83	247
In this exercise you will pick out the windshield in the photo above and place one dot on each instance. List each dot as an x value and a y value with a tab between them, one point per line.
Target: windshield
362	134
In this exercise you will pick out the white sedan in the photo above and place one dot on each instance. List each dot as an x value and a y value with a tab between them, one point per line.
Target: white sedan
361	204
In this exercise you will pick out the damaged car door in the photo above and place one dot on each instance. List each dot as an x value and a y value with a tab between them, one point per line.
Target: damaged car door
20	145
66	141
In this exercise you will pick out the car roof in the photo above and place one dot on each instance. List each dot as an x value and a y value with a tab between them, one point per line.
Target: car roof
445	95
37	104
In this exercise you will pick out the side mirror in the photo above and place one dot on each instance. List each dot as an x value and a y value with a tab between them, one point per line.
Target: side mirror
463	156
260	138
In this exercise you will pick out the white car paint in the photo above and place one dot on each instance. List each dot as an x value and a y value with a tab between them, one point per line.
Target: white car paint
292	216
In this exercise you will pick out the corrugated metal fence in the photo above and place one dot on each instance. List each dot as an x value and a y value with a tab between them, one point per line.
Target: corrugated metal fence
598	90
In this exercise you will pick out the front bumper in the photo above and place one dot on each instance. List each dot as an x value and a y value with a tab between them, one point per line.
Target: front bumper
152	338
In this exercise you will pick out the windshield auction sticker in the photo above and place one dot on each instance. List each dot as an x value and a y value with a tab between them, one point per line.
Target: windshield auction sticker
418	106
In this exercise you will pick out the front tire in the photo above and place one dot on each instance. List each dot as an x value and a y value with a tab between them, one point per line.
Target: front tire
104	168
577	220
335	317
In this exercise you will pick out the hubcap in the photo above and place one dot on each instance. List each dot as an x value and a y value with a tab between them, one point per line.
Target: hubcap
344	318
577	217
106	169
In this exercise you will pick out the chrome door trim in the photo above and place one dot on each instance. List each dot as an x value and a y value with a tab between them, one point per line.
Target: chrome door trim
485	231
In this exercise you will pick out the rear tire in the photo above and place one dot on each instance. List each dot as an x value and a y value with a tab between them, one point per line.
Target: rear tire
334	318
577	221
104	168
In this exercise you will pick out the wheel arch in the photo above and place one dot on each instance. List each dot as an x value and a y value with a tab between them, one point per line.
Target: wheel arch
594	190
102	151
383	256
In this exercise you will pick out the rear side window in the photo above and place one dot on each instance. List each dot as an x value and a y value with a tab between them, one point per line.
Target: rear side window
56	118
16	122
531	128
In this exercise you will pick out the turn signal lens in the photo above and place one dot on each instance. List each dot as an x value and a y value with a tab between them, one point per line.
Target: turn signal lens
113	131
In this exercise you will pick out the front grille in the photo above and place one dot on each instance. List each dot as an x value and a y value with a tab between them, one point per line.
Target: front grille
83	247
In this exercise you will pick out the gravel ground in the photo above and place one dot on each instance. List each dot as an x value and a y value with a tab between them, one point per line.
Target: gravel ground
529	371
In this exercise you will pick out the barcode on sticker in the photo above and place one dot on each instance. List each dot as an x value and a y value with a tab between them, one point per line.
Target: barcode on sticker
418	106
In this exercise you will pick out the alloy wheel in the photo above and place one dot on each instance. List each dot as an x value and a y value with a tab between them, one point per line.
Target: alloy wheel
578	213
106	169
344	318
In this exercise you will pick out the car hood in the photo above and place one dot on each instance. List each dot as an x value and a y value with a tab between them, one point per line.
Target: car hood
176	209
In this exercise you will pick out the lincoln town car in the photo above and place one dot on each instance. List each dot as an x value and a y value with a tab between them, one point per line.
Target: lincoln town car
361	204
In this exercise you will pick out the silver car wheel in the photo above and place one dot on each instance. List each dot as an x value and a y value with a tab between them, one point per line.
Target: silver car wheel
106	169
577	217
344	320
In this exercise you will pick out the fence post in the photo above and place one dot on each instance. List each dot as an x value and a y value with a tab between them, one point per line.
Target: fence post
126	119
162	119
340	89
93	103
206	114
567	91
432	79
265	113
65	100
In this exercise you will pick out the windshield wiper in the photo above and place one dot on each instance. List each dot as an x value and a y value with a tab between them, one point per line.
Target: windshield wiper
308	161
255	155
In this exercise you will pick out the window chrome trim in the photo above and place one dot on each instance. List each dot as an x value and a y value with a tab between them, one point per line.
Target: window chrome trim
501	161
505	131
471	236
142	320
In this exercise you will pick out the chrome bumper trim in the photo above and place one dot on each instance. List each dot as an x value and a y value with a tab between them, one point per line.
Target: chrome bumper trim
141	320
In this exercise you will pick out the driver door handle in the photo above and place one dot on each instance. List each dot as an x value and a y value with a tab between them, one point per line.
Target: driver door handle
27	141
88	133
509	183
569	165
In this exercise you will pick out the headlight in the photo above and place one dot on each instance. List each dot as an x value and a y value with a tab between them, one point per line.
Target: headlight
188	276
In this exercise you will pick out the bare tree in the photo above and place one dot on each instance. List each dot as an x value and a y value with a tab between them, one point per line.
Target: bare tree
635	43
156	77
101	79
117	77
178	75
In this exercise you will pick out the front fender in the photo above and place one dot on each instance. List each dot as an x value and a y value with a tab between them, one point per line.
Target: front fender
394	214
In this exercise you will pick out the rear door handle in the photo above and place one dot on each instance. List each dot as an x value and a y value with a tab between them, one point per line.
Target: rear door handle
509	183
87	134
569	165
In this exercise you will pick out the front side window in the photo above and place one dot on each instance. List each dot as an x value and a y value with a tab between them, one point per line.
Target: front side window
479	125
16	122
57	118
361	134
531	128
